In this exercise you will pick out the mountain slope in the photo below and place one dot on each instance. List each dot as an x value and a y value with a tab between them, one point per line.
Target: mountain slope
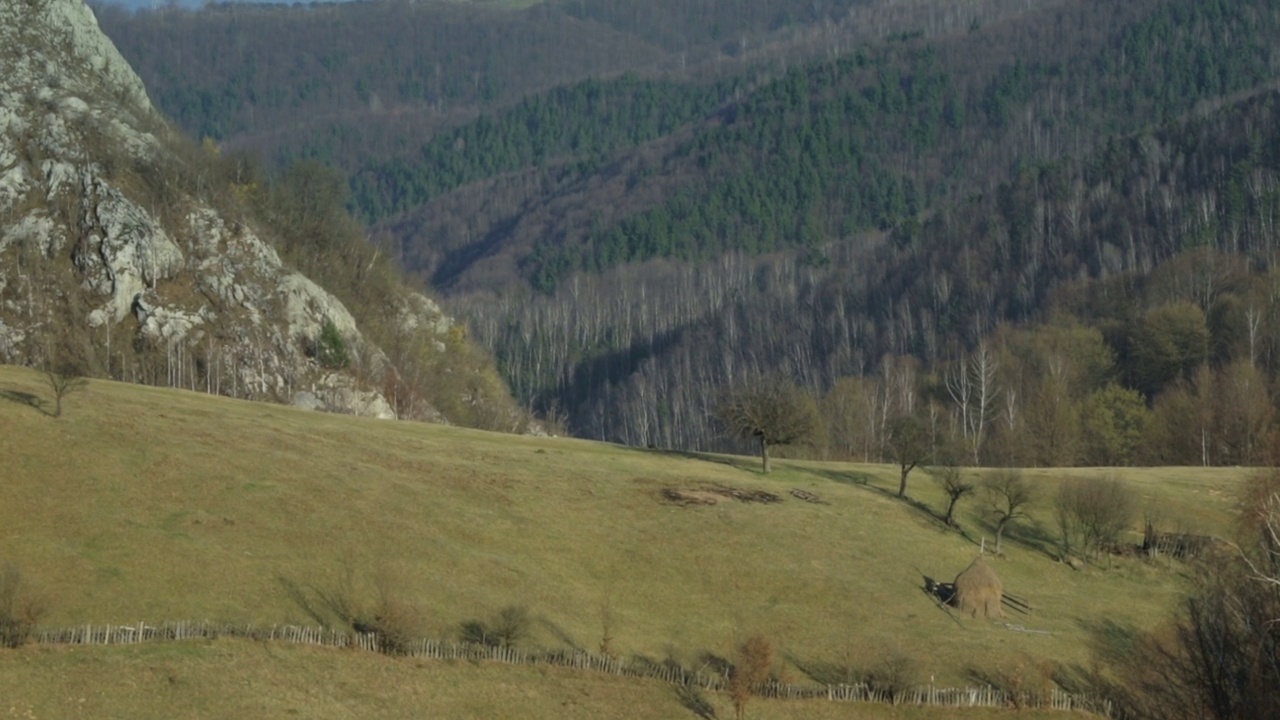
890	179
130	252
908	240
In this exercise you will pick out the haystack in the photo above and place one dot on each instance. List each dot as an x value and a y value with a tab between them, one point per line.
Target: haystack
978	591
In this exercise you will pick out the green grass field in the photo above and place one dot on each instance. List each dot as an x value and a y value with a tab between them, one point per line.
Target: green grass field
150	504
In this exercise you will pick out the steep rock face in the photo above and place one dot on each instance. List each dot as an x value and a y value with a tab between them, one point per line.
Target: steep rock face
111	256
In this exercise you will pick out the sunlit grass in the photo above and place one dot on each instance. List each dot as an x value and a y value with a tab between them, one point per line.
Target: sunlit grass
151	504
241	679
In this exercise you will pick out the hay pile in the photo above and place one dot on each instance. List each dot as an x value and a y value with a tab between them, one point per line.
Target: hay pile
978	591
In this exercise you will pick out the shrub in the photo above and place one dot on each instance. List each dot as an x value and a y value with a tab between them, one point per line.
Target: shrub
331	349
506	628
754	662
20	608
896	673
1092	513
1023	679
396	623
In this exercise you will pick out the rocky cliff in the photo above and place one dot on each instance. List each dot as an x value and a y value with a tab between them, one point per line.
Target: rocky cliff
123	254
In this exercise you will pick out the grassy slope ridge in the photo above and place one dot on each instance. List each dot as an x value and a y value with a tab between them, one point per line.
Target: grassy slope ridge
151	504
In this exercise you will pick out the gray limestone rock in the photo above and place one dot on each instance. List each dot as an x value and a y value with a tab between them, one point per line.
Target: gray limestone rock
86	165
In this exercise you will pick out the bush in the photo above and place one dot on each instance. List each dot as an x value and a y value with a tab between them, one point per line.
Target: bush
506	628
331	349
896	673
754	663
20	608
1023	679
1092	513
64	380
395	622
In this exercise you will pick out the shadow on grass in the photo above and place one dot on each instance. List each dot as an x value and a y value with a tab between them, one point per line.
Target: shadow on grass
709	661
825	672
25	398
740	462
1028	536
692	699
1036	537
1112	646
559	633
1110	642
844	477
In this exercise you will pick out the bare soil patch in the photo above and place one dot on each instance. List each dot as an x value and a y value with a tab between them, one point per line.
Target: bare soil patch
716	494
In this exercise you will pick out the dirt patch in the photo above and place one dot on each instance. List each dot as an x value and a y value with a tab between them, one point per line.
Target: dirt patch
713	495
808	497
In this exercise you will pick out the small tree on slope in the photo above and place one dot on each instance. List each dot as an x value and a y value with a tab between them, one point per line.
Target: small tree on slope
772	410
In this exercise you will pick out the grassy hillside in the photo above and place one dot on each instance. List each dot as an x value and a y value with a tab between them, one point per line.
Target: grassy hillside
151	504
246	680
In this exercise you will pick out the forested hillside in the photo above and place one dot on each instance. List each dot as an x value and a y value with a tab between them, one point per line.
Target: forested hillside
347	82
864	197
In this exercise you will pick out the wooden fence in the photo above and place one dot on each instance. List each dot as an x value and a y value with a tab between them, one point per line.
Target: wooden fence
616	665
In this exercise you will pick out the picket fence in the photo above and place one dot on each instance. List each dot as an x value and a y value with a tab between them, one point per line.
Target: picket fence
632	667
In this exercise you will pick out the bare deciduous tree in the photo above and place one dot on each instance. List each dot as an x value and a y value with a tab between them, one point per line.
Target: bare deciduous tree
63	382
1092	512
972	387
1008	497
955	485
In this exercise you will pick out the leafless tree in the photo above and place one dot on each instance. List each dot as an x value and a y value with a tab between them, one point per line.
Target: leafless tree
1092	512
972	387
1008	496
63	382
951	478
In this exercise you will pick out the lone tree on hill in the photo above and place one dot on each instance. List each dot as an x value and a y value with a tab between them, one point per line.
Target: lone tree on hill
909	445
1008	496
63	381
951	478
774	410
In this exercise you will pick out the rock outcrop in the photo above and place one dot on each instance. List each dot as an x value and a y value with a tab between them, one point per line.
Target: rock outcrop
111	252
